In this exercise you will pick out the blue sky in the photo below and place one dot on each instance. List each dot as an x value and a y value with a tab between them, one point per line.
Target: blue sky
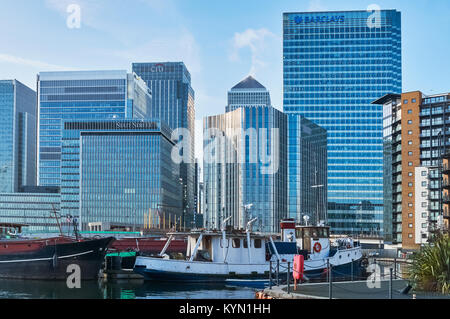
221	42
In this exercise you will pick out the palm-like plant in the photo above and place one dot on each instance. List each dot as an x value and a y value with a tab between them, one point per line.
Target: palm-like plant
430	269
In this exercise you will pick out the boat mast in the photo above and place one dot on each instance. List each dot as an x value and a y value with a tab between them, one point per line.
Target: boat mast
249	225
57	221
224	236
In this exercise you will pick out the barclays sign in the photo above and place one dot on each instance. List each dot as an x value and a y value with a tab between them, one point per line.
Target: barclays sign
319	19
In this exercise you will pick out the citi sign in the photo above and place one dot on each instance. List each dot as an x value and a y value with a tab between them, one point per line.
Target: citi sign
157	68
323	19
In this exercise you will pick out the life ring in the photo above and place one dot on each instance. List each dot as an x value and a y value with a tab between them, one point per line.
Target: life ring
317	247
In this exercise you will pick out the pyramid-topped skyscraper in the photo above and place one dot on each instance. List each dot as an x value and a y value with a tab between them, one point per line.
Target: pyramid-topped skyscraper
248	93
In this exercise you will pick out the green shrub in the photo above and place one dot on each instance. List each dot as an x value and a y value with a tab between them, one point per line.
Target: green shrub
430	270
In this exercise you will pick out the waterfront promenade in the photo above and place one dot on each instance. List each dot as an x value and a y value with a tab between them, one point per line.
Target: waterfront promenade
347	290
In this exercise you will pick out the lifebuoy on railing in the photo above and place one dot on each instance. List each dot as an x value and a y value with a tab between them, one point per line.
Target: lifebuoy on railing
317	247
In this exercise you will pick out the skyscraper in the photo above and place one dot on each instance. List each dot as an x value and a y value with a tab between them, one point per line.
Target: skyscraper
245	163
81	95
173	103
17	136
334	65
248	93
121	171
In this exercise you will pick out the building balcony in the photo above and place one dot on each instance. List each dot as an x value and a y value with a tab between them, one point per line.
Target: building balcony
446	214
446	199
446	169
446	184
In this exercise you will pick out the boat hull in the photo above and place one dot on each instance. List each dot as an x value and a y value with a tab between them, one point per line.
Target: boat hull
161	275
158	269
194	271
51	261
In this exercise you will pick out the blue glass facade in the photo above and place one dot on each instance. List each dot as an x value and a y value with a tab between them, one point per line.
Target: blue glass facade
173	103
34	210
17	136
246	164
335	65
82	95
118	171
307	170
245	161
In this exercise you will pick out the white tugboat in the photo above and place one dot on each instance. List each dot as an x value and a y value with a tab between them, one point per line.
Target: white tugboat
212	257
244	257
313	242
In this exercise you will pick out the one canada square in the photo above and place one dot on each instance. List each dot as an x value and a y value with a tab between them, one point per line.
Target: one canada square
335	65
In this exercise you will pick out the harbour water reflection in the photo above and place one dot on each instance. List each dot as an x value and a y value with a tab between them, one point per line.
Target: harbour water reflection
20	289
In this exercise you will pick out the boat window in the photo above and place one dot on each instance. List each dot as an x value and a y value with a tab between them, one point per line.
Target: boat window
207	242
245	243
299	233
307	233
236	243
315	233
321	232
223	244
258	243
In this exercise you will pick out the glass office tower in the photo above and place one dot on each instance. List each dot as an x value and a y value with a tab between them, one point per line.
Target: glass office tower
17	136
245	161
82	95
307	171
173	103
35	210
335	65
245	168
119	172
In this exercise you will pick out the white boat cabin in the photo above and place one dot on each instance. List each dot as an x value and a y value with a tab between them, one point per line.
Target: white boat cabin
224	247
315	240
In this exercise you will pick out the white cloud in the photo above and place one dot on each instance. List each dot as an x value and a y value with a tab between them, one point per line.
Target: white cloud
32	63
316	5
180	46
255	40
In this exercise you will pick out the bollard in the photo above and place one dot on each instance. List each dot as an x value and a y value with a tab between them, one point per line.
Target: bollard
270	275
352	269
395	268
330	276
289	278
390	283
278	272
